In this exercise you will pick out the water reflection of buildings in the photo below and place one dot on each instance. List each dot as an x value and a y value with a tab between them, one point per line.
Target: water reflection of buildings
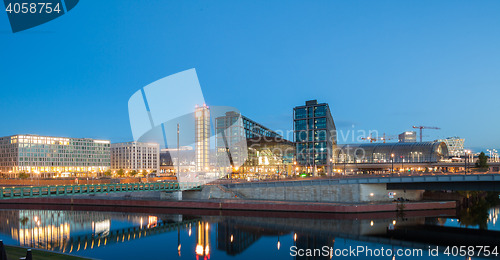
309	241
69	231
76	230
234	240
50	229
203	240
493	215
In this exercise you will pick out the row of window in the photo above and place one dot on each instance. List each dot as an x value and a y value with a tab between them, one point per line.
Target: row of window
313	111
307	124
305	136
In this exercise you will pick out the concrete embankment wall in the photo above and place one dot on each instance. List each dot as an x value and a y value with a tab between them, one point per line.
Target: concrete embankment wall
340	193
347	193
247	205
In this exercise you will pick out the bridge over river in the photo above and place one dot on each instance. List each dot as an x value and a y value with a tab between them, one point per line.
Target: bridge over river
65	190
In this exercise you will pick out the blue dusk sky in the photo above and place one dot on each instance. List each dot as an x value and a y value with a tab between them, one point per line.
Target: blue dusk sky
380	65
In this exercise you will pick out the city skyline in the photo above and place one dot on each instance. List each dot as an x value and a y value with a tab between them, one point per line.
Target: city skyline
382	66
249	129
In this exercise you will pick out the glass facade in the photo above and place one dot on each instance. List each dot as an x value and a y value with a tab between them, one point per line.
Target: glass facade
425	152
267	158
315	136
43	154
232	132
455	145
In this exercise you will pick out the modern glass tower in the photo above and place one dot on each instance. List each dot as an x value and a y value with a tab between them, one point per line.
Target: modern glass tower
315	137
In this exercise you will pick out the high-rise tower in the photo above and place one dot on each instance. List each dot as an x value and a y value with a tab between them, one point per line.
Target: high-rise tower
315	137
202	138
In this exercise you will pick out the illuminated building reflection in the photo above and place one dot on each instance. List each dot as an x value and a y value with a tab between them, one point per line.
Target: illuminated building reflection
203	240
69	231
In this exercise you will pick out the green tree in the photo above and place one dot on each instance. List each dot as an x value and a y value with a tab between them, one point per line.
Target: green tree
133	173
120	172
23	175
482	162
107	173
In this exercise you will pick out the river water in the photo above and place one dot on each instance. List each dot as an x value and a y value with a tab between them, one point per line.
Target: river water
134	233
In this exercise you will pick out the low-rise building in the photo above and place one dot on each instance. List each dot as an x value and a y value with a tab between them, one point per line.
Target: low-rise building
408	137
46	156
135	156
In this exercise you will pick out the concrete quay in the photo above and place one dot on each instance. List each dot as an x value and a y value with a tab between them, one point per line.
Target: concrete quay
240	204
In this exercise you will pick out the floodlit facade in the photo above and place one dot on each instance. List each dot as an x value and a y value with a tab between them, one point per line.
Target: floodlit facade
424	152
268	159
315	136
455	145
52	156
232	132
202	138
136	156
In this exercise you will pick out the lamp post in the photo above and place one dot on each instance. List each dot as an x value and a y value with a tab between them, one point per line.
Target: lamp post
392	168
402	163
294	168
470	157
345	163
465	159
331	166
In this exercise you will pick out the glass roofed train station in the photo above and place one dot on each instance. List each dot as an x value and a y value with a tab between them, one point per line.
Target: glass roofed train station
380	156
425	152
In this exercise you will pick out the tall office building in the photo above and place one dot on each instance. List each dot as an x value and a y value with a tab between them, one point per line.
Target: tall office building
51	156
315	137
408	137
202	138
135	156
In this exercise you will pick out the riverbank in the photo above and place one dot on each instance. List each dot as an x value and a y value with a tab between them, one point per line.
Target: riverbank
80	181
14	253
239	204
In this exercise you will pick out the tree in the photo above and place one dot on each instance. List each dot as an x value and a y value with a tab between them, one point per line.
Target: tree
120	172
133	173
23	175
107	173
482	161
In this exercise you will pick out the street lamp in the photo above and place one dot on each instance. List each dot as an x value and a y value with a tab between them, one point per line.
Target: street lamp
403	163
345	155
467	158
392	169
294	168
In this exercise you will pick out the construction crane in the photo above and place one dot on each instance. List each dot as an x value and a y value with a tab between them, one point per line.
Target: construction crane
369	138
425	127
390	137
384	138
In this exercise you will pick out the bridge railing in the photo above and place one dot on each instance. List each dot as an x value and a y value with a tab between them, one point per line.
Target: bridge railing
65	190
